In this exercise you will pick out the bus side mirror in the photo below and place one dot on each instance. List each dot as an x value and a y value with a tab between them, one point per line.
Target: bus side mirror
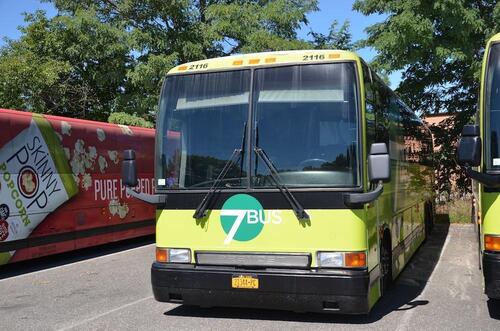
469	147
378	163
129	170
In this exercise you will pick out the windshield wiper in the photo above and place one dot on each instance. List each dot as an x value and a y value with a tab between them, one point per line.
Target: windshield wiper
202	207
299	211
237	153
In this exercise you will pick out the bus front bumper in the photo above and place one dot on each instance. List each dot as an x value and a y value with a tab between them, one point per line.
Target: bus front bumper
333	291
491	271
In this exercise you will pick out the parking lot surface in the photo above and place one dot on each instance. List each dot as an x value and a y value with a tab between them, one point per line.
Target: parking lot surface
109	289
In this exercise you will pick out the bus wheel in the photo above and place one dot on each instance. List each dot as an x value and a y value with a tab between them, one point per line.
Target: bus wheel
385	263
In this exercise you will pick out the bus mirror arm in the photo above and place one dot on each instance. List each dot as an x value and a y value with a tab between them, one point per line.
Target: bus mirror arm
357	200
487	180
154	199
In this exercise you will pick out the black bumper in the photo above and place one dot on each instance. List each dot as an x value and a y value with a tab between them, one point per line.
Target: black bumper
339	291
491	271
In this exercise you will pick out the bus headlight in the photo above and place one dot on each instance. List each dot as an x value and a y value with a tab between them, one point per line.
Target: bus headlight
173	255
341	259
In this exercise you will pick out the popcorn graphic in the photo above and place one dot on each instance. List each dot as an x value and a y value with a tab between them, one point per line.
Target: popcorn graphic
126	130
87	160
123	210
101	135
77	179
77	166
113	207
113	156
92	152
65	128
103	164
79	146
86	181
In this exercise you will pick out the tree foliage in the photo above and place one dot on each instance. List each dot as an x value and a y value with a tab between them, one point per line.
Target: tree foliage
72	66
340	38
439	47
98	57
129	119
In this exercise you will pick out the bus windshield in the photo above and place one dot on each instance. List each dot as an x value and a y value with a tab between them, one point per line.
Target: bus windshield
202	121
304	117
492	107
306	122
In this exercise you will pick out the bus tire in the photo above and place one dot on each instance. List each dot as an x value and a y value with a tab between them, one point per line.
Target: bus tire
385	263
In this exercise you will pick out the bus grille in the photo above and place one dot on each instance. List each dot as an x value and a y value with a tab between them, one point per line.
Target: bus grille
249	259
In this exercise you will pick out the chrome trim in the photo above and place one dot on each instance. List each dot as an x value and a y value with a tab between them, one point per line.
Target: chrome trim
254	259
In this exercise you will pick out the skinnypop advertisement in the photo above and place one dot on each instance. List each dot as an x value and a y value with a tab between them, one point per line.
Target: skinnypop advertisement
60	185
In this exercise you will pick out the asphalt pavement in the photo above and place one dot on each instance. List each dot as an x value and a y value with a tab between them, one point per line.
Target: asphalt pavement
108	288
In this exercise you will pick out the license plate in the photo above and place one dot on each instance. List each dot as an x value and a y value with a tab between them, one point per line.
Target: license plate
245	281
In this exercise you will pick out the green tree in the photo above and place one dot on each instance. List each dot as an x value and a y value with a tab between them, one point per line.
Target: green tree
73	66
163	34
340	38
439	46
128	119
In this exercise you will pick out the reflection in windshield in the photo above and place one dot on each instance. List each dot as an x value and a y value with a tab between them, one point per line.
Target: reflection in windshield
202	121
305	117
306	121
493	107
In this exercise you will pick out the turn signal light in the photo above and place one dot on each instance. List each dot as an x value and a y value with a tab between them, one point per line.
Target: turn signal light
341	259
355	260
161	255
491	243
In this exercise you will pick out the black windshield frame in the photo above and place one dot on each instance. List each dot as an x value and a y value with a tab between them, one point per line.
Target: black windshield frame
250	156
488	153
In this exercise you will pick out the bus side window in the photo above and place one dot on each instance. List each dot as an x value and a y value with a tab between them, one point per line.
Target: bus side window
369	105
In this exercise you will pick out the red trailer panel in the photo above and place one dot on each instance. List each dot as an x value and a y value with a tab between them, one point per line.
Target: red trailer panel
60	184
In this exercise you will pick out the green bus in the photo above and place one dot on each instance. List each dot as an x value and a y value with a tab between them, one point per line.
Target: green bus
294	180
482	163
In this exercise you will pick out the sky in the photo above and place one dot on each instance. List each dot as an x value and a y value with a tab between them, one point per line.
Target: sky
11	18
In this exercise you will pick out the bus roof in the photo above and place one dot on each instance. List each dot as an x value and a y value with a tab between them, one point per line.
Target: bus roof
495	38
263	59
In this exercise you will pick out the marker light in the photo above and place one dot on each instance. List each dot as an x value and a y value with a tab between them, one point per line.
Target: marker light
355	259
341	259
161	255
173	255
491	243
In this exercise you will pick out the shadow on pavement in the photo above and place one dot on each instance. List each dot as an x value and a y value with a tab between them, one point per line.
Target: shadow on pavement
406	289
48	262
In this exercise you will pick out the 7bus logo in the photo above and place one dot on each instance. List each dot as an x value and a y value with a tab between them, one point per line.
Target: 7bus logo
243	218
